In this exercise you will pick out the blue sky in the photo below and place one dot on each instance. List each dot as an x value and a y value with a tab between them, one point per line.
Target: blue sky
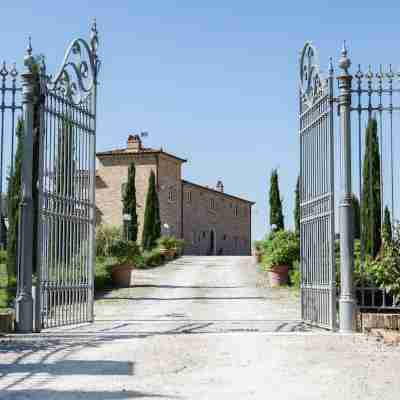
213	81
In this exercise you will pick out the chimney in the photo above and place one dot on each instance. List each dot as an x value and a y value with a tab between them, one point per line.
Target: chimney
220	186
134	143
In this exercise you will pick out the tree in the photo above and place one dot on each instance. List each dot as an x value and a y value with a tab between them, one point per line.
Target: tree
275	203
297	207
129	205
152	222
356	216
14	198
371	190
387	226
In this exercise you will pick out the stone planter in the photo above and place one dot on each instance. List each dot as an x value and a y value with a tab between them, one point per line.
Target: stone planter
278	275
369	321
6	322
122	275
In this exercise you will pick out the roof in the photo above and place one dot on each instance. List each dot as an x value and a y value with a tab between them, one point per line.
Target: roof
217	191
148	150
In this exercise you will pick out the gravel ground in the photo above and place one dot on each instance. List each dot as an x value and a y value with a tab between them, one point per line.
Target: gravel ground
198	328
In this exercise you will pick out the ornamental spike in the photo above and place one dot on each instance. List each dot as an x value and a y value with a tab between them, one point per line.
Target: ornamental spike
29	48
28	59
344	61
330	68
344	49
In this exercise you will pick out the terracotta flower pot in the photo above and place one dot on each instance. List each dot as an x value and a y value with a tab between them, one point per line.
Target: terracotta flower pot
122	275
278	275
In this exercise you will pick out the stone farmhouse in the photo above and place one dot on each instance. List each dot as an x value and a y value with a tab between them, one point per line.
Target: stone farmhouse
210	221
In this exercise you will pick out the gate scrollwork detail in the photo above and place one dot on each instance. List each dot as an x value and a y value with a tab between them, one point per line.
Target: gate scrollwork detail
311	85
77	75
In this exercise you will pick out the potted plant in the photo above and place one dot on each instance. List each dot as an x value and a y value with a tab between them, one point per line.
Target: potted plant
281	250
167	246
125	253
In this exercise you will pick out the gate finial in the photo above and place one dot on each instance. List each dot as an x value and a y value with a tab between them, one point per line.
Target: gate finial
94	36
28	59
330	68
344	61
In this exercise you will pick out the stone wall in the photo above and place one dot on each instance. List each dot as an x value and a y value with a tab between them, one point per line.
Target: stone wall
170	195
208	213
112	173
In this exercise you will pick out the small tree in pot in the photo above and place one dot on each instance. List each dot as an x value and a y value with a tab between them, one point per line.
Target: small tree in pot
125	252
281	250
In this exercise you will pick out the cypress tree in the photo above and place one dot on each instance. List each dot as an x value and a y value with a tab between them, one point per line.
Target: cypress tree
371	199
387	226
275	203
129	205
152	223
356	216
14	198
297	208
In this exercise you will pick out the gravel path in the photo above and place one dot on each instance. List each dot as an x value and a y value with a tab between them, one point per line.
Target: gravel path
198	328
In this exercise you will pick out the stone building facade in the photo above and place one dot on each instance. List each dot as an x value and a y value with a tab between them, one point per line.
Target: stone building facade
209	220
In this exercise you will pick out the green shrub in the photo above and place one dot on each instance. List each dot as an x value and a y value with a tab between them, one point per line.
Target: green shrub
139	261
294	275
3	257
106	236
258	245
170	243
102	273
384	270
281	248
124	251
153	258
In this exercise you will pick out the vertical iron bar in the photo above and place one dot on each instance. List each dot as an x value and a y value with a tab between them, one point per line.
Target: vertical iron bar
24	301
346	220
380	77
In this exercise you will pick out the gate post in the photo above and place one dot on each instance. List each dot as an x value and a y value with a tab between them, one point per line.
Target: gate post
346	302
24	302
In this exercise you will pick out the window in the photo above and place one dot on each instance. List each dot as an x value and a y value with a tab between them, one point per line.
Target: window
189	196
236	242
236	211
171	195
225	237
193	237
212	204
204	234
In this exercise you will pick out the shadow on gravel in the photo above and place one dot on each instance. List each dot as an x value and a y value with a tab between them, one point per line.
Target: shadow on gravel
42	394
71	367
183	287
61	347
182	298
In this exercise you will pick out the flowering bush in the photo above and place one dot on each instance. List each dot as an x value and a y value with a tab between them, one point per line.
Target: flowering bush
281	248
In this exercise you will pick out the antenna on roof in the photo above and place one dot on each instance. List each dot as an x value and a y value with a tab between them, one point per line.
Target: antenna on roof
144	134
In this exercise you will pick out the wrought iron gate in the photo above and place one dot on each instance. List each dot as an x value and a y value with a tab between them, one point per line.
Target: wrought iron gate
317	233
66	182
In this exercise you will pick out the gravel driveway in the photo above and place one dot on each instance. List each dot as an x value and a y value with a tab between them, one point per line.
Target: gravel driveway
198	328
